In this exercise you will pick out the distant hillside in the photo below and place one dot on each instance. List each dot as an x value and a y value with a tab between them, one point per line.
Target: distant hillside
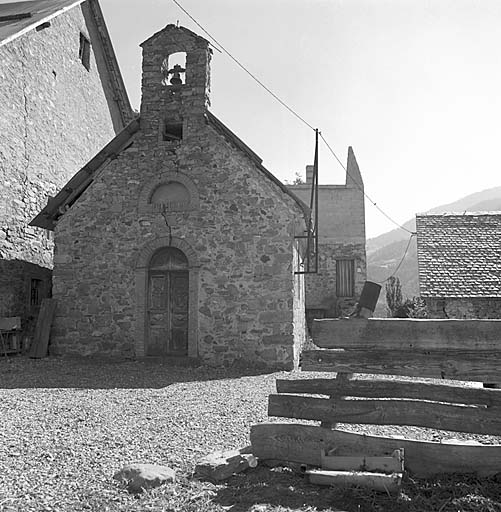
385	251
487	200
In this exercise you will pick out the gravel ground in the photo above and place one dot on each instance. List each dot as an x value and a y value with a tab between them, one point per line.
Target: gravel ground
67	426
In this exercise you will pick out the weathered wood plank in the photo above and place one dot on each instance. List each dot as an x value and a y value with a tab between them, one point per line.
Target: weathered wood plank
377	481
450	364
457	418
340	377
393	464
407	333
379	388
40	343
303	444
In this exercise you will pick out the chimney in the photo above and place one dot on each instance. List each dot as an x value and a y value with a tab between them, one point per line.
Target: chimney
309	173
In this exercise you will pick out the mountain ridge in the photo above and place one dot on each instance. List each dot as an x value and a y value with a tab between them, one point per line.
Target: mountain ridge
485	200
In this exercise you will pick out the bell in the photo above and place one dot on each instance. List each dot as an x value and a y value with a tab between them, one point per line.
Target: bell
176	75
176	79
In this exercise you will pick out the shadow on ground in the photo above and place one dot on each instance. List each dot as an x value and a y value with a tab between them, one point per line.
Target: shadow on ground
263	489
57	372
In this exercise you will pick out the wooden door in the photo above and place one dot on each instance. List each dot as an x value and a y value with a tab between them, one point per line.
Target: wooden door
168	304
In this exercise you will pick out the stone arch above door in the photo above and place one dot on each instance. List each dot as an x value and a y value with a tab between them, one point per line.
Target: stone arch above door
141	271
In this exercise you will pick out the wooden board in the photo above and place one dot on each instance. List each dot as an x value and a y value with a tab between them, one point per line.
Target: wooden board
450	364
379	388
303	444
407	334
377	481
40	343
477	420
393	464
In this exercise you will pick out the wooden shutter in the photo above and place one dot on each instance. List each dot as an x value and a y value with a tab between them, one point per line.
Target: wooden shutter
345	278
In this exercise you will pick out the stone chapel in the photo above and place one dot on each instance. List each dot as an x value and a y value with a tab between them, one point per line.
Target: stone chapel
174	240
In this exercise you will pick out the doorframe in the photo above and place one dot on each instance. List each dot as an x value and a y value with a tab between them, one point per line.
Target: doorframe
141	272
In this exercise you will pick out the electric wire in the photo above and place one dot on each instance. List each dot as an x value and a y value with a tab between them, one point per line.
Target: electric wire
237	62
291	110
402	260
363	190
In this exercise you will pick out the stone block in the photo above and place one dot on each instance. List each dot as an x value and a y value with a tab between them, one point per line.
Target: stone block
278	339
141	477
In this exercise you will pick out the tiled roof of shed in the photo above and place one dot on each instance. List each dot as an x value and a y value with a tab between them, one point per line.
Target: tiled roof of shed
459	255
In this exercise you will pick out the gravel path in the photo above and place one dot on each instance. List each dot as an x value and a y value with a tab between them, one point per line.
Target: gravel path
67	426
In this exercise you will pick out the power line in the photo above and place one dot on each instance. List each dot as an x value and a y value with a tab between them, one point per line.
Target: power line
363	190
291	110
402	260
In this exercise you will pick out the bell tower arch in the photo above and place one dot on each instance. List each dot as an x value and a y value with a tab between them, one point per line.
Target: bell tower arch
175	83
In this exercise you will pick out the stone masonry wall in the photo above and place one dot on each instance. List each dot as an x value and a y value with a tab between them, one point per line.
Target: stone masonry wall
467	308
321	287
341	236
241	233
53	118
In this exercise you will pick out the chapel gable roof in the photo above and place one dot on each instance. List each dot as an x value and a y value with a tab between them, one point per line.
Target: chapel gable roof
56	206
459	255
77	185
175	32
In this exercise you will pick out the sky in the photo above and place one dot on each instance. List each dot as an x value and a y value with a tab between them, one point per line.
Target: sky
412	85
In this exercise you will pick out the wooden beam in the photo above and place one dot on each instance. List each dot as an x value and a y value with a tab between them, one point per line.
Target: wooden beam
39	347
341	378
377	481
392	464
303	444
379	388
457	418
407	333
441	364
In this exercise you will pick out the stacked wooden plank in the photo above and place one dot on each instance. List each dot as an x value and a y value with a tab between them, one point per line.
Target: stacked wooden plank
461	350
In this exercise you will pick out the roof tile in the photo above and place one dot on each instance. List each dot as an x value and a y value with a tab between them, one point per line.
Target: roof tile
459	255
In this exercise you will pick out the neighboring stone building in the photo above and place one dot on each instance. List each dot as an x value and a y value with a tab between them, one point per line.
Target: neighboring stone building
459	261
342	271
179	242
61	98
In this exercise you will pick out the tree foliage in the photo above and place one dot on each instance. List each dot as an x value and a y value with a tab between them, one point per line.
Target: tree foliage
394	298
397	307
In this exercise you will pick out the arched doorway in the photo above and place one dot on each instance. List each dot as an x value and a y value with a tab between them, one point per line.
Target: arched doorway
167	303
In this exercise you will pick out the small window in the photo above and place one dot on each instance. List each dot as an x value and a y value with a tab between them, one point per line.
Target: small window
345	278
173	195
173	131
84	52
35	292
173	69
